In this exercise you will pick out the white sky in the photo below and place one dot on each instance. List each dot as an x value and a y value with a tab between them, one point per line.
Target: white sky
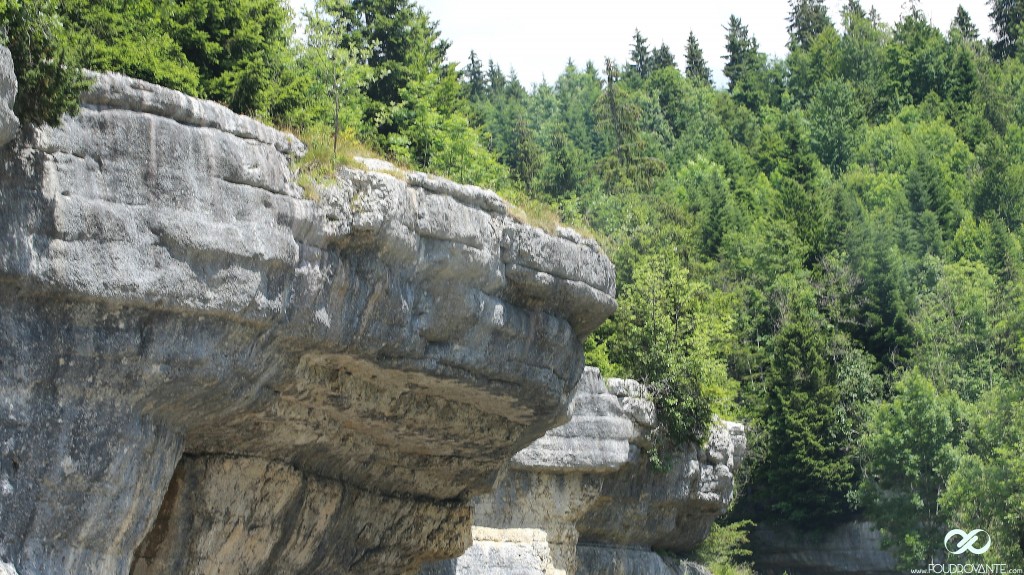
538	37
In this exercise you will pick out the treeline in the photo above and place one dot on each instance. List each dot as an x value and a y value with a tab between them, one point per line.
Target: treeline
829	249
375	69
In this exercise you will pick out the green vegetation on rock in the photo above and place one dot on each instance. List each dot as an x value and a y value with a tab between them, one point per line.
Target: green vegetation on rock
46	65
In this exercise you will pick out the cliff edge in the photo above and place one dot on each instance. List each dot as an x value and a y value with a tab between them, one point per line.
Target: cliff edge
205	371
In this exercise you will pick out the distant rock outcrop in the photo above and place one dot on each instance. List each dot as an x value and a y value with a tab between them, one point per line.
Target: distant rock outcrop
585	499
203	370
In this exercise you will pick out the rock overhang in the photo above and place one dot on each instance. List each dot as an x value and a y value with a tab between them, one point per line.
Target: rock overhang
162	272
584	499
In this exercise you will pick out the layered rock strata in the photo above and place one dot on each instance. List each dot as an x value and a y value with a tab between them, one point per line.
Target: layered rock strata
207	369
585	499
853	548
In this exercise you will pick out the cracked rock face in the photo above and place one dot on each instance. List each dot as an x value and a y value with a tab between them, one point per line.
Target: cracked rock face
584	499
205	371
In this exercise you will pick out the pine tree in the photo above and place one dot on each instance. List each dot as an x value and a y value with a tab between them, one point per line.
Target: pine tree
640	56
807	18
696	66
963	23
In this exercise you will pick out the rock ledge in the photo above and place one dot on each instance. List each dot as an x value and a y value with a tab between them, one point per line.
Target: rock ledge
585	500
204	371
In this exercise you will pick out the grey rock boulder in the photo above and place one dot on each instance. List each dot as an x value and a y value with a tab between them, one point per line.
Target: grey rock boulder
596	439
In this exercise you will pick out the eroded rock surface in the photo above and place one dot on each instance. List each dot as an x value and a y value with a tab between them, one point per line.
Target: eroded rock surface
669	510
584	499
207	369
8	91
853	548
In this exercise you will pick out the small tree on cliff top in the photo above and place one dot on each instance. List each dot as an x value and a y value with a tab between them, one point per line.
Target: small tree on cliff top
672	333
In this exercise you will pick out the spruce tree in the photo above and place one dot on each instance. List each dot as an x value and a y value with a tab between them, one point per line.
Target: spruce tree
132	38
400	43
495	78
474	76
963	23
696	66
621	130
640	56
740	47
662	57
854	10
1007	22
811	471
807	18
239	47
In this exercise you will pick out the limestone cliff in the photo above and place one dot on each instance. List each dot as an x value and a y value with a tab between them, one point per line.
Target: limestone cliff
585	499
853	548
205	371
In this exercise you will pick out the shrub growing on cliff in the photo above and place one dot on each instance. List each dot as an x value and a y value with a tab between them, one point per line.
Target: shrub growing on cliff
672	333
725	550
49	81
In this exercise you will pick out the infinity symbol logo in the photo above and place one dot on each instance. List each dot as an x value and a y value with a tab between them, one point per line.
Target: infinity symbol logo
967	541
